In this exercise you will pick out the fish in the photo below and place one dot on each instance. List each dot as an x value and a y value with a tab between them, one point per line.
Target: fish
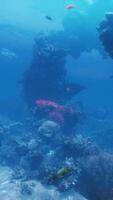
70	6
60	174
48	18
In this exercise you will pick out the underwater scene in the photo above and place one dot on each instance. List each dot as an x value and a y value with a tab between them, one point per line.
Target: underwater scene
56	99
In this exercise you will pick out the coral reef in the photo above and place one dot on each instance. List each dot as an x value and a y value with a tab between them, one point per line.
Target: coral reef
47	153
37	156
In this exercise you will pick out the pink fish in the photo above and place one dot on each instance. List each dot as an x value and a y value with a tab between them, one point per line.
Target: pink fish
70	6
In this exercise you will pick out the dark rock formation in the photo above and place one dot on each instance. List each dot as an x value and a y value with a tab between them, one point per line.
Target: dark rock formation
46	78
105	30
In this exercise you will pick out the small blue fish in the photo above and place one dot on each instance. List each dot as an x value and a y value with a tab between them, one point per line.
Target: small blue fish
48	18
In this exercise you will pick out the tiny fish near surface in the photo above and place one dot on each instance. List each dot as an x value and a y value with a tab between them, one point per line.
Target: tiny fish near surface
48	18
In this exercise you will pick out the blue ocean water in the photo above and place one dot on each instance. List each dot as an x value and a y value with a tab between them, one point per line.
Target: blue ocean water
56	99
